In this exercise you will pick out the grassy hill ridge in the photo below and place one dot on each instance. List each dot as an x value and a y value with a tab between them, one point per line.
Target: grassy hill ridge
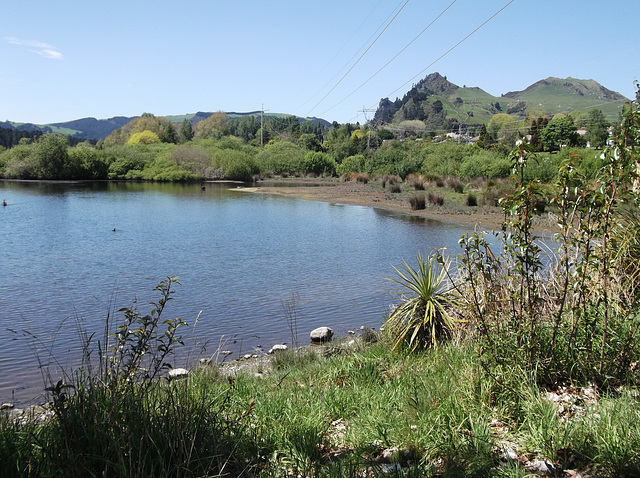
441	104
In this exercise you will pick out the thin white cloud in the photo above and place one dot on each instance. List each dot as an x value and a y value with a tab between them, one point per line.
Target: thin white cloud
39	48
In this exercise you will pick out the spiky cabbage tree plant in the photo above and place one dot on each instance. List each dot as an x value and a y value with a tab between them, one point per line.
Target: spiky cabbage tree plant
422	318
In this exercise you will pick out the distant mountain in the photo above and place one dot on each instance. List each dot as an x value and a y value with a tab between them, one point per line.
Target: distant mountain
92	128
85	128
434	100
441	104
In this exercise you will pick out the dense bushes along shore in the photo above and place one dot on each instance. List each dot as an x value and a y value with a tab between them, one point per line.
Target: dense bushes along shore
143	155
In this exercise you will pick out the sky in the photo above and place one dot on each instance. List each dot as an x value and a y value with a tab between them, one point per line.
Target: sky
62	60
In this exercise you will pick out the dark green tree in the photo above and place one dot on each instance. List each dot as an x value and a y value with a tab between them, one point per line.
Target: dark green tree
86	162
558	132
186	131
319	164
51	156
482	137
247	127
535	129
385	134
310	142
597	128
286	127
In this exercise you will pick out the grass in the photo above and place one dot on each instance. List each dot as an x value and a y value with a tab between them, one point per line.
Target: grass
360	412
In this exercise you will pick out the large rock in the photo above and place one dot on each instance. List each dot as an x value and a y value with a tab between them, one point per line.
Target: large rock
321	335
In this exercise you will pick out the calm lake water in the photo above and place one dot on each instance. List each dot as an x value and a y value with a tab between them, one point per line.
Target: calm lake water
72	252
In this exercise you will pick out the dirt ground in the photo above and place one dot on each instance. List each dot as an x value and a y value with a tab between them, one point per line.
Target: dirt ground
373	195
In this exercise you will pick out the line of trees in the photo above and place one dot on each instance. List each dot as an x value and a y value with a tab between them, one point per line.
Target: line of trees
219	147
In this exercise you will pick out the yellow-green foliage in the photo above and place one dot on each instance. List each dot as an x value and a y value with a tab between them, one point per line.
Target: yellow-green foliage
211	126
504	128
144	137
159	125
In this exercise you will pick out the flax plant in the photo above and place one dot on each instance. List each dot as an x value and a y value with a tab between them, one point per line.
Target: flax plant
422	319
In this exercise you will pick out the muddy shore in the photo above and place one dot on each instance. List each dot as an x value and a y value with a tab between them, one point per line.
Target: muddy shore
372	194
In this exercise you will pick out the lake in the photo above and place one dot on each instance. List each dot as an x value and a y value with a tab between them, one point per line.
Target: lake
73	252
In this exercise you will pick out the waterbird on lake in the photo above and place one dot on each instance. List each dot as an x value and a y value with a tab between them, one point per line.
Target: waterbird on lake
4	203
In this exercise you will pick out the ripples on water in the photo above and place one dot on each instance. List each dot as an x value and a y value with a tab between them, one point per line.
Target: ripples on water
238	256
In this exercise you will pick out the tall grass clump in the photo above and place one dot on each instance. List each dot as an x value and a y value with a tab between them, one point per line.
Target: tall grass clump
472	200
417	202
415	181
455	184
435	199
361	178
391	180
576	319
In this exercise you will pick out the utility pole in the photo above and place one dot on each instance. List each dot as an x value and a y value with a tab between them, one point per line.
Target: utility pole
364	113
262	126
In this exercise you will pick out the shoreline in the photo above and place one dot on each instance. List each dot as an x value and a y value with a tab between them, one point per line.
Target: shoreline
372	195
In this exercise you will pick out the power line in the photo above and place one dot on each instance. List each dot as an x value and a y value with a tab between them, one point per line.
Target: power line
340	50
361	56
394	57
452	48
449	50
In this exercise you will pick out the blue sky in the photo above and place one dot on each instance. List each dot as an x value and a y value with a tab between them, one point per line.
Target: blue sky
63	60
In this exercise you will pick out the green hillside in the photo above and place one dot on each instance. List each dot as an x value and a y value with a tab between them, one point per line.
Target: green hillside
441	104
556	95
43	127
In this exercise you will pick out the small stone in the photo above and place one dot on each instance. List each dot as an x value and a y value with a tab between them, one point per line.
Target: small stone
389	453
247	356
175	373
351	332
510	454
226	352
540	466
6	406
205	361
277	348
